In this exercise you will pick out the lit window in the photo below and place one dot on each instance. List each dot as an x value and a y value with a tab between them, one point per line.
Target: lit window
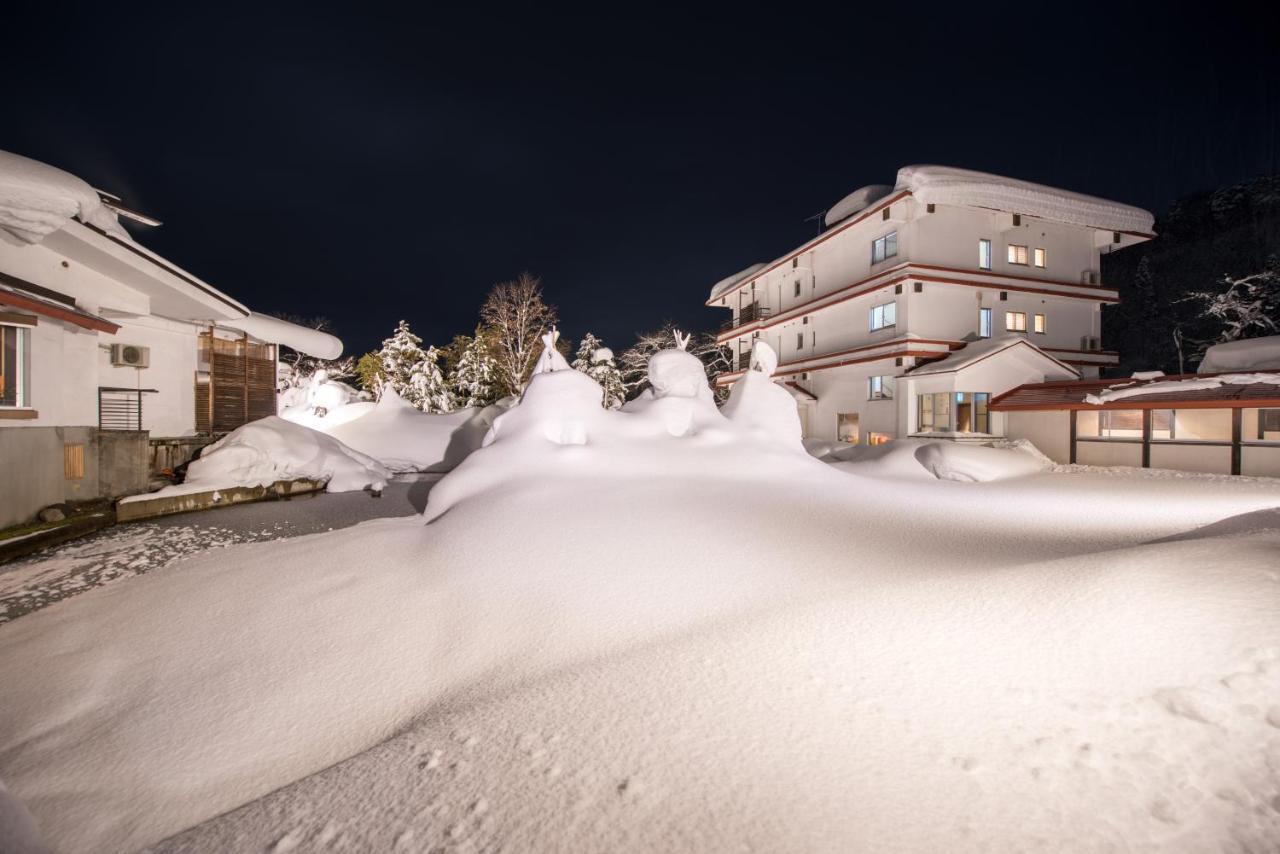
880	438
1039	323
15	366
884	247
954	412
1268	425
882	316
1017	254
847	427
984	254
984	323
1191	425
1039	257
1015	321
1109	424
880	388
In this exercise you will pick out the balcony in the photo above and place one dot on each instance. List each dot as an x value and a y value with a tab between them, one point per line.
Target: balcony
746	315
744	360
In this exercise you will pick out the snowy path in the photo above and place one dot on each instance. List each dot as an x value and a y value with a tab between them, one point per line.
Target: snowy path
123	551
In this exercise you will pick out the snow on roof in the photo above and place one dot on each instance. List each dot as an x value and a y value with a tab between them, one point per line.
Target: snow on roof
975	351
725	285
855	201
1122	391
1253	354
37	199
946	185
313	342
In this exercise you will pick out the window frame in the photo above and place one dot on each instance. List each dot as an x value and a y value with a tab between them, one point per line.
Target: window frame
1015	251
884	324
984	322
984	250
880	387
1019	326
21	373
1040	257
882	244
1039	324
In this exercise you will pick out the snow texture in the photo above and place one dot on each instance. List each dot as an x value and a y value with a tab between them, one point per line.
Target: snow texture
313	342
273	449
1253	354
610	638
727	284
982	348
405	439
969	463
945	185
858	200
37	199
1126	390
762	406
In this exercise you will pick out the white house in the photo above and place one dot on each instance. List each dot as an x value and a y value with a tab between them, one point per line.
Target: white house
109	351
922	301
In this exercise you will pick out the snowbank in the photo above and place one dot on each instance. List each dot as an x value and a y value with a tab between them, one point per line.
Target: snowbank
1253	354
272	449
946	185
403	438
976	463
37	199
727	284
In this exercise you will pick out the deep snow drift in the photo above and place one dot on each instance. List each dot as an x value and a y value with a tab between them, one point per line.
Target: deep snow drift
613	635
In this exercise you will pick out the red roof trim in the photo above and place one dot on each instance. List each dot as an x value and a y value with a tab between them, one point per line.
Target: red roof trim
1071	396
49	309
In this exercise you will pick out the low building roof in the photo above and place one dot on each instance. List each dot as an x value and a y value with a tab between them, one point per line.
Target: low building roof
985	348
15	293
1187	391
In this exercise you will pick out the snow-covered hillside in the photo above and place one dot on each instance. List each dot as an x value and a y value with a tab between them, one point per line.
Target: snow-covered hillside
664	629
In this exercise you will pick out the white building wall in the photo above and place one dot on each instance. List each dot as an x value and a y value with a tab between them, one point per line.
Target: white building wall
63	383
174	349
844	390
1049	431
1260	460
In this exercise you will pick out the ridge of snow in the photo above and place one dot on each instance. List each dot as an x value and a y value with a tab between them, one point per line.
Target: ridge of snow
975	350
859	199
1120	392
947	185
1251	354
37	199
726	284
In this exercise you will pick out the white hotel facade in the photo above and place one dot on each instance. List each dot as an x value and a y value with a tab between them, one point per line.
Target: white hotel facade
922	301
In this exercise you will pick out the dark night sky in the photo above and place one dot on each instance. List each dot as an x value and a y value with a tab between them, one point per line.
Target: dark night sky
381	165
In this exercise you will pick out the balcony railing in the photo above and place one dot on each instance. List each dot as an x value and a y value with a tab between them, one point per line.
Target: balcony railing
749	314
744	360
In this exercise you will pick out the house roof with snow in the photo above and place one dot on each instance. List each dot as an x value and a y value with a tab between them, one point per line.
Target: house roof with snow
1187	391
1004	346
1252	354
948	185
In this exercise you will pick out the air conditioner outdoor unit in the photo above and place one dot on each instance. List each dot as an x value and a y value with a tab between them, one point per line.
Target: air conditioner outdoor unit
130	356
1088	277
1090	342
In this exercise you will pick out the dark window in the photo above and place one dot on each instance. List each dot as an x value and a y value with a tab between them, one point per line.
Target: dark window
1017	219
797	287
884	215
919	287
929	207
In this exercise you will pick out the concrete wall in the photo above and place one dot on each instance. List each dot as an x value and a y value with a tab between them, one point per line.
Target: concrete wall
1215	459
1109	453
115	463
1260	460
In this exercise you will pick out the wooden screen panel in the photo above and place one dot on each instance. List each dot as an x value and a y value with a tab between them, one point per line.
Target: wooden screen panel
73	462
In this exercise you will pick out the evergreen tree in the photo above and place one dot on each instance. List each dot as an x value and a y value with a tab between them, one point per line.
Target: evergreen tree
399	359
427	388
596	361
369	370
474	379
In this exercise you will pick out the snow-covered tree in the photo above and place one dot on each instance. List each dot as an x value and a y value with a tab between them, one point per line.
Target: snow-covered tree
400	357
474	380
596	361
427	388
634	362
516	316
1246	307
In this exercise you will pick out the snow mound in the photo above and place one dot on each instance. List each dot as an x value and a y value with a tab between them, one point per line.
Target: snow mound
400	436
1126	390
37	199
945	185
977	463
759	404
727	284
1253	354
859	199
272	449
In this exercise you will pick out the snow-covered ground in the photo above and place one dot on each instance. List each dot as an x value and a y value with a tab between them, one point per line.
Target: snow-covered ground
661	629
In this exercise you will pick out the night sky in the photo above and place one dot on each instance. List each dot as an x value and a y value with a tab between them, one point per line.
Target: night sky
383	165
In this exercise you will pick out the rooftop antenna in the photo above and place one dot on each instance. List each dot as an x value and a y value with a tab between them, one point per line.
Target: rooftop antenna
819	216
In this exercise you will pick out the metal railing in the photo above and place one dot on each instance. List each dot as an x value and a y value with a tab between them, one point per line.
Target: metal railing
120	408
746	315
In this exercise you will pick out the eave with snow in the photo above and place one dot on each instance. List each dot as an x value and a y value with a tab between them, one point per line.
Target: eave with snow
943	262
102	335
